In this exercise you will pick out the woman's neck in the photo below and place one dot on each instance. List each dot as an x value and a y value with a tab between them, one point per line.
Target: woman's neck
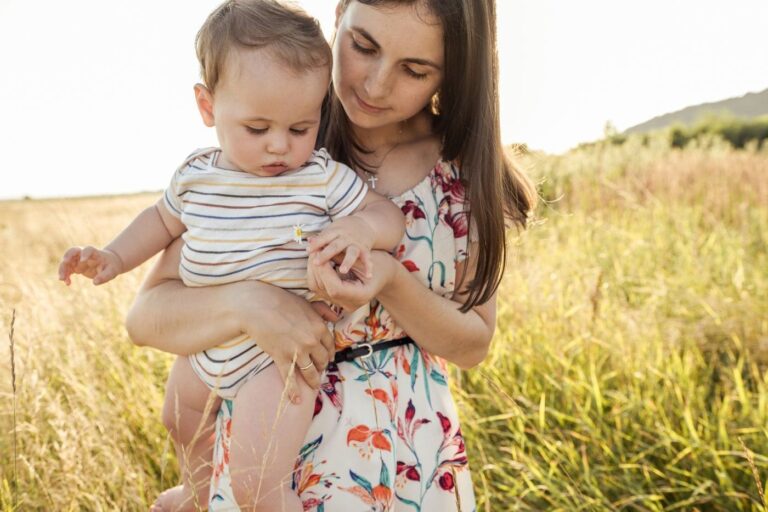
384	138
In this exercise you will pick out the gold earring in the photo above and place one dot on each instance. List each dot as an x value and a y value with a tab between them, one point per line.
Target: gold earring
434	104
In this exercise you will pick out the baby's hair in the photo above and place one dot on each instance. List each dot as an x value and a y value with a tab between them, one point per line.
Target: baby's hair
290	34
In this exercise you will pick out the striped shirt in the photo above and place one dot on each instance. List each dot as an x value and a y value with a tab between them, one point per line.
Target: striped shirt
241	226
246	227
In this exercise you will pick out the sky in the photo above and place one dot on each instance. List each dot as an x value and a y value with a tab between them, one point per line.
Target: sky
97	96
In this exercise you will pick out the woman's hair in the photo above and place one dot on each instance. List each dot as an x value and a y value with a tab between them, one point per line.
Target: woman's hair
292	36
466	118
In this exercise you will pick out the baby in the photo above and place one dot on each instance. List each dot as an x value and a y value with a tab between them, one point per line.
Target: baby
244	211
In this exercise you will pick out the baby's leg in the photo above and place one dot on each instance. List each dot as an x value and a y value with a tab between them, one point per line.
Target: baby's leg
189	418
267	433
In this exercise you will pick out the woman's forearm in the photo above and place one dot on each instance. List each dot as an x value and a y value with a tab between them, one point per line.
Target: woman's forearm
171	317
174	318
436	323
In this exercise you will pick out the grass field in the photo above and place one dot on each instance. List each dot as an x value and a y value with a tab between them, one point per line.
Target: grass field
629	369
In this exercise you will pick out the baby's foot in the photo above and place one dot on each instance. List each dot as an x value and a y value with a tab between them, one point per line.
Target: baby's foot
177	499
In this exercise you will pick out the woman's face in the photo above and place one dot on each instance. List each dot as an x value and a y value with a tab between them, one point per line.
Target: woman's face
388	62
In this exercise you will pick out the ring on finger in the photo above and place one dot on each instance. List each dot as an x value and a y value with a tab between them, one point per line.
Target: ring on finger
309	365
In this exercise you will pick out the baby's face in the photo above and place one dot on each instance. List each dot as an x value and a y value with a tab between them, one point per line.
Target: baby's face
267	115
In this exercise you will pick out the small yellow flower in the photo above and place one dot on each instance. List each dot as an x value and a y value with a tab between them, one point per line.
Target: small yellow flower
298	233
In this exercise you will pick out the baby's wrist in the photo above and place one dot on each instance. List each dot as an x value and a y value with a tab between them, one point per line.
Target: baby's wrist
118	260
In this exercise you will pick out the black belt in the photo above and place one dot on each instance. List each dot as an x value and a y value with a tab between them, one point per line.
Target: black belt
365	350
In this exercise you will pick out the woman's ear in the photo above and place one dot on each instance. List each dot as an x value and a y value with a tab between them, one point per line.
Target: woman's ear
204	100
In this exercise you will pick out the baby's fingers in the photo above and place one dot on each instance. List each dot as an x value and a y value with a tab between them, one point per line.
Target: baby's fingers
337	246
90	254
319	241
68	263
89	262
105	274
350	257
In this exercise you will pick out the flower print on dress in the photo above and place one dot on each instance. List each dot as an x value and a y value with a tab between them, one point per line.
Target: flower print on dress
367	440
308	483
376	406
379	497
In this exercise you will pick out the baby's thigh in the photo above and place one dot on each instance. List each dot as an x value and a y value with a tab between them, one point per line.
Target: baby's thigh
185	391
267	429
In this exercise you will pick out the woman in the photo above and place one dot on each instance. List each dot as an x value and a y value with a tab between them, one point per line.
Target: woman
415	112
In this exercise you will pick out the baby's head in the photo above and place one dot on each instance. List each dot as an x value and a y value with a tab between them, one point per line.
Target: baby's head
265	68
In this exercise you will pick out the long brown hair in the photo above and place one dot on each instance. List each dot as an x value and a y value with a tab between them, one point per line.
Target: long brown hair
466	118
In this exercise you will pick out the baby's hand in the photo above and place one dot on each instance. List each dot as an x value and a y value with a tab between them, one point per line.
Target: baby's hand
96	264
349	235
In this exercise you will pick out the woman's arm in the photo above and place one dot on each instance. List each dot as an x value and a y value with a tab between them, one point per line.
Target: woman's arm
434	322
174	318
171	317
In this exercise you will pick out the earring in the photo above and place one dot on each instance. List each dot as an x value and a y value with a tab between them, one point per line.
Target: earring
434	104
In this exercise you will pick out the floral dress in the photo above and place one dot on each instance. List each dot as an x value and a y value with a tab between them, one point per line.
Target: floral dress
385	434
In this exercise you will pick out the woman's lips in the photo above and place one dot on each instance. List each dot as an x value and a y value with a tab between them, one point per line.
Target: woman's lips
367	107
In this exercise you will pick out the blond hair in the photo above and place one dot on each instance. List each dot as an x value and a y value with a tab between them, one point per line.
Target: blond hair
286	31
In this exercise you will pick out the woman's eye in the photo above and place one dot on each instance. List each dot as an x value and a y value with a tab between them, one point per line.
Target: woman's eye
414	74
256	131
362	49
299	131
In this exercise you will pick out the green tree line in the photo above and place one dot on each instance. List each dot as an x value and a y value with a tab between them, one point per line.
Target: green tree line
738	133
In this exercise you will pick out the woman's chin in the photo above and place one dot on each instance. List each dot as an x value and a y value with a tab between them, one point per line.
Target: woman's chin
362	119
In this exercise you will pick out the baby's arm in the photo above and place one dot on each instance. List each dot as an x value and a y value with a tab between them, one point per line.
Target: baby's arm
148	234
377	223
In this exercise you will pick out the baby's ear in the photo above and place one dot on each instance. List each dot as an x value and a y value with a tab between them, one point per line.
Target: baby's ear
204	100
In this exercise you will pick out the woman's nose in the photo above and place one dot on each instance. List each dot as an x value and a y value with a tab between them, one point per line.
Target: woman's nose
377	81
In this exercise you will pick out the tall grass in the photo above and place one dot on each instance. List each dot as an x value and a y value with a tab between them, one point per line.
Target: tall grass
629	364
632	345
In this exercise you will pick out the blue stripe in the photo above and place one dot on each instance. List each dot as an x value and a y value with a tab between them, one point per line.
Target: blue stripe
168	203
244	268
319	196
345	194
318	214
234	250
253	371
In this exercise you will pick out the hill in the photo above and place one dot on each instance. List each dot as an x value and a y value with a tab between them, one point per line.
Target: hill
751	105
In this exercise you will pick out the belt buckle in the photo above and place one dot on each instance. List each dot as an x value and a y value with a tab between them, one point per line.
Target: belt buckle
370	350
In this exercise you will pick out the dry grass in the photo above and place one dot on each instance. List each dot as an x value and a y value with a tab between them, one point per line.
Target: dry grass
628	368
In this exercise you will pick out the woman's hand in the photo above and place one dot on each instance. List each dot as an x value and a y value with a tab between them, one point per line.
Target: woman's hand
353	290
181	320
292	331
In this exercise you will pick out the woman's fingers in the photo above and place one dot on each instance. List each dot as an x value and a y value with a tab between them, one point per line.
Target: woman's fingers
329	343
325	311
326	335
306	367
319	357
288	374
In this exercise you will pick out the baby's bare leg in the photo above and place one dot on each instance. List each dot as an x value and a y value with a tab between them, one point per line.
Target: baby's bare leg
267	434
190	419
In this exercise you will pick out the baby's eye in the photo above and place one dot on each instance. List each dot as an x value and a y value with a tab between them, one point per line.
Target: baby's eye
256	131
299	131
